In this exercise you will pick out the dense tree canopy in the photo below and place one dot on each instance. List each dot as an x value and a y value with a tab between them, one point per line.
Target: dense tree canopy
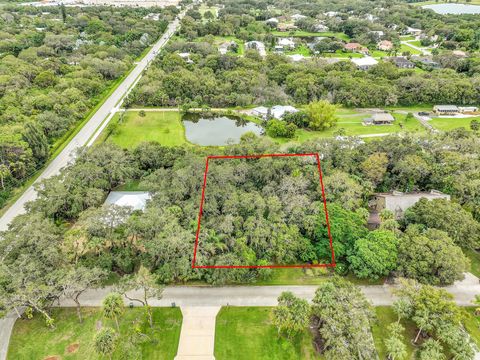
54	70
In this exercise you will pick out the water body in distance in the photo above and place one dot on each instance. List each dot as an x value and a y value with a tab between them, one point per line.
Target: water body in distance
454	9
217	131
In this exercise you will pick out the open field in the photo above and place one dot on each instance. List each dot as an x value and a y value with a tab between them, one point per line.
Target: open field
164	127
353	126
31	339
302	50
446	124
404	48
245	333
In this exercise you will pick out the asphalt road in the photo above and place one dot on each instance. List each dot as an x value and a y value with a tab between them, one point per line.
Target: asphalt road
463	291
91	130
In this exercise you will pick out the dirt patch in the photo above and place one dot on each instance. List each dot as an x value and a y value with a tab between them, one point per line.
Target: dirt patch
72	348
53	357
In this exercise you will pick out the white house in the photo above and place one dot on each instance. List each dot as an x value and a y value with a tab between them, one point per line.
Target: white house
272	21
364	63
331	13
321	28
297	57
397	202
286	42
278	111
297	17
260	111
257	45
135	200
413	31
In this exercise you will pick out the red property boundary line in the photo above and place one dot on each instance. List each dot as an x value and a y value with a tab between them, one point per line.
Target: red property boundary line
200	213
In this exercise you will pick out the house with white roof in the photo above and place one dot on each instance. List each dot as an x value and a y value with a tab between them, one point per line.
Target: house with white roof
261	112
364	63
286	43
134	200
256	45
279	111
297	17
413	31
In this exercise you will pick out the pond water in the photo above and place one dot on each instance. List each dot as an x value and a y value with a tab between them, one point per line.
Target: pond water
451	8
217	131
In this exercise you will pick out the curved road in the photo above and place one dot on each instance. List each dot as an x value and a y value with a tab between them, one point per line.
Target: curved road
92	128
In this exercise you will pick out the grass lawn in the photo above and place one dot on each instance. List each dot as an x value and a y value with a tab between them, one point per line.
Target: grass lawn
353	126
378	53
308	276
385	316
446	124
302	50
245	333
472	324
241	45
416	43
31	339
342	54
405	48
204	8
162	126
474	257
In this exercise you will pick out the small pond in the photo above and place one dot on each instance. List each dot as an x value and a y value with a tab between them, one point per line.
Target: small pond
451	8
217	131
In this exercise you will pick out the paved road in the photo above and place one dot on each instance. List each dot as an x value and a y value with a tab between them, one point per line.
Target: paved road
207	296
463	291
90	131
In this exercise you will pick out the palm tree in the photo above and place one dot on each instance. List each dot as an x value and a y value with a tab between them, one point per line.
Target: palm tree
113	307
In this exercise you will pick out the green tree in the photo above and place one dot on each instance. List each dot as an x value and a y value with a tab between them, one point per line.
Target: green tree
431	257
145	282
474	125
396	348
4	174
37	141
292	314
342	188
375	167
375	255
448	216
322	115
113	307
342	318
77	280
431	350
105	341
434	312
279	128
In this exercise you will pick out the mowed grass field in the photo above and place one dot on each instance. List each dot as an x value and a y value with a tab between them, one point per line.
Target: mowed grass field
247	333
352	125
164	127
446	124
31	339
